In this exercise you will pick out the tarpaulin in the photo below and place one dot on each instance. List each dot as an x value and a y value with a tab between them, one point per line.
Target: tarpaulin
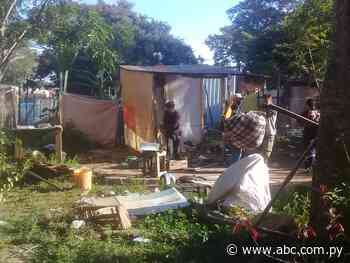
187	95
95	118
138	108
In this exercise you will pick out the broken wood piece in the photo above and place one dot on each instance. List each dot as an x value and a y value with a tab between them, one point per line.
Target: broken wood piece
50	171
116	216
138	204
44	180
124	217
178	165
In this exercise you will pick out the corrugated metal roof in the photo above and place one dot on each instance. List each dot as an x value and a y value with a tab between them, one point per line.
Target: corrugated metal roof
201	70
192	70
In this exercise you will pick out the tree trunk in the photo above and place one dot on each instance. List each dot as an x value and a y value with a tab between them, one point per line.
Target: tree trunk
334	133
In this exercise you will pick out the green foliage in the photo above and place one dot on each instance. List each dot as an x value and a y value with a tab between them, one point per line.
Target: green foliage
70	162
308	39
71	33
18	22
239	212
180	239
340	196
11	171
254	32
294	36
112	30
296	204
182	230
20	67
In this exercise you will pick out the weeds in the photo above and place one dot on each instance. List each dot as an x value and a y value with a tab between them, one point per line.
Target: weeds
296	204
11	171
70	162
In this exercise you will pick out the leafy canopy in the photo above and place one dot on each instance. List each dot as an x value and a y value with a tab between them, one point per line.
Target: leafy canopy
255	30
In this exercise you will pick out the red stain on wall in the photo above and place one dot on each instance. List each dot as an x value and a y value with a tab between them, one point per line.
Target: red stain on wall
129	117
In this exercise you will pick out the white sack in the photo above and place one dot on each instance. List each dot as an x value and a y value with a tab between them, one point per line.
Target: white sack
245	184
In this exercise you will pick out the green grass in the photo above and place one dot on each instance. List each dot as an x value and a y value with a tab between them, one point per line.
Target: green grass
40	217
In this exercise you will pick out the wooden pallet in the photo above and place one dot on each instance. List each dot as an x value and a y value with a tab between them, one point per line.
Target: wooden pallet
117	216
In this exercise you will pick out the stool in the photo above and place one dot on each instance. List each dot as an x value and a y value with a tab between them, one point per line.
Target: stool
153	163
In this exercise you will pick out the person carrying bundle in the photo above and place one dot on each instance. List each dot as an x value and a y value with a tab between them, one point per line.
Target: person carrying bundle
245	131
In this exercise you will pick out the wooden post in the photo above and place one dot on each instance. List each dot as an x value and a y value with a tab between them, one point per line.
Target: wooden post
19	105
19	153
58	143
278	87
202	103
65	81
61	82
222	89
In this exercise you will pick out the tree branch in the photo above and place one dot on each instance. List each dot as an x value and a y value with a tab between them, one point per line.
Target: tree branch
8	54
4	21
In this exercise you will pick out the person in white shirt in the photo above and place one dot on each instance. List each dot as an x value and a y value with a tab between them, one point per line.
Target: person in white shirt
270	130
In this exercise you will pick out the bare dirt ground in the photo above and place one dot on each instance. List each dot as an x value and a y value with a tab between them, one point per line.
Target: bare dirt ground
108	163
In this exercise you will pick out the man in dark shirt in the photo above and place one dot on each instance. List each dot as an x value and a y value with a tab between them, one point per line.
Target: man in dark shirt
171	127
310	131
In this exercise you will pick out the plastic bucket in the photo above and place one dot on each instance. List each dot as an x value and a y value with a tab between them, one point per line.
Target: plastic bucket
83	178
76	174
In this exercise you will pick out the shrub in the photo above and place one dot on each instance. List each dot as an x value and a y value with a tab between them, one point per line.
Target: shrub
297	205
339	198
11	171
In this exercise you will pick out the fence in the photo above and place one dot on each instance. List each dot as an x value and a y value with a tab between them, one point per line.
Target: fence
34	106
8	107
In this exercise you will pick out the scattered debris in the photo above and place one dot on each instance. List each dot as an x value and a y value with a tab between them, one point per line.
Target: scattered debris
141	240
202	157
32	174
178	165
194	183
133	162
168	179
139	204
38	157
77	224
110	215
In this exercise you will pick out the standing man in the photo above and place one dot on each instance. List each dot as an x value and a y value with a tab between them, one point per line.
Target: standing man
270	129
310	131
171	127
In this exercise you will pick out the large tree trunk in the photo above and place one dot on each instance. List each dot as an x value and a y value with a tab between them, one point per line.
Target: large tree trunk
334	134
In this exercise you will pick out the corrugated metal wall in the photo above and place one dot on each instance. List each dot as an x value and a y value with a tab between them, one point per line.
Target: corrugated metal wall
212	99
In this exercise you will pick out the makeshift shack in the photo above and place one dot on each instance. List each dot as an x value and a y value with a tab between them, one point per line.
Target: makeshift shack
145	89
